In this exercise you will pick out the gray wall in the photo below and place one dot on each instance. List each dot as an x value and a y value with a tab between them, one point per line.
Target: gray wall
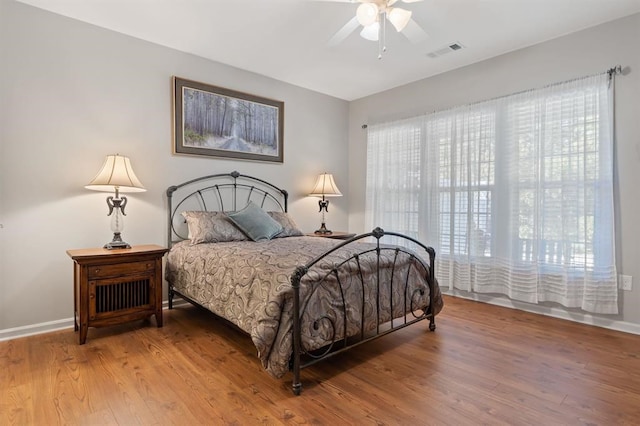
587	52
72	93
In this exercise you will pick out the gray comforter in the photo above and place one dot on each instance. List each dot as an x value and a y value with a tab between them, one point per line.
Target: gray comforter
248	283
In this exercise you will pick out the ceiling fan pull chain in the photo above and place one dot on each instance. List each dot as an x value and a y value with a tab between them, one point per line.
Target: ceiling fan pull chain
384	32
379	41
381	26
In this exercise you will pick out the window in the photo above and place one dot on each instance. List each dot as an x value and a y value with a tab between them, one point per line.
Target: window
466	147
515	194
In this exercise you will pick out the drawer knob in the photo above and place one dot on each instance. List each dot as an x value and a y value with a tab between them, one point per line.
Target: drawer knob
97	270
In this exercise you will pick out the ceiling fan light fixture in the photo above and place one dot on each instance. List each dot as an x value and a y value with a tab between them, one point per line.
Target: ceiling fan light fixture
371	32
367	14
399	18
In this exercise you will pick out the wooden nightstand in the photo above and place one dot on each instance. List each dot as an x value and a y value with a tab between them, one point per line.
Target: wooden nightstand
116	286
336	235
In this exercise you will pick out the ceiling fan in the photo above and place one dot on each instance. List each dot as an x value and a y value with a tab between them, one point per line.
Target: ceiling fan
373	15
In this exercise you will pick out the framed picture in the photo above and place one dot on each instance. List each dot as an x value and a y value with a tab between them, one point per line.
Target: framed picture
218	122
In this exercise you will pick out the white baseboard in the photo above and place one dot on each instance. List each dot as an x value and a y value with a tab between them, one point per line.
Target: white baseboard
30	330
584	318
49	326
581	317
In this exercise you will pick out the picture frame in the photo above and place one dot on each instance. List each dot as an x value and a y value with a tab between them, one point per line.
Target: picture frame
218	122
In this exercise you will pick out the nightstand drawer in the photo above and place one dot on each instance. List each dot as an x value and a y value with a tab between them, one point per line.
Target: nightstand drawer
119	269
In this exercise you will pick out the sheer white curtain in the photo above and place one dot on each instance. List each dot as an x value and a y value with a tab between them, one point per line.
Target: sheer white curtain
515	194
393	196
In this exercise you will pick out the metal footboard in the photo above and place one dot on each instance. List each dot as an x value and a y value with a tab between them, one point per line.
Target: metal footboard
302	357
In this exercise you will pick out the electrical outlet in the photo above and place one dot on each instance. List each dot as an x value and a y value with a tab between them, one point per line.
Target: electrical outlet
626	282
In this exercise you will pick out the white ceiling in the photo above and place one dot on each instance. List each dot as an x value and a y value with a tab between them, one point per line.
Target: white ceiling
288	39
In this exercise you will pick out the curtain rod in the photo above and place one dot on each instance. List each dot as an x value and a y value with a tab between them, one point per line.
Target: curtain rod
612	72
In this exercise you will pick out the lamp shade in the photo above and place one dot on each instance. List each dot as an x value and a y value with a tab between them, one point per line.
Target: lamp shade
325	186
367	14
371	32
399	18
116	174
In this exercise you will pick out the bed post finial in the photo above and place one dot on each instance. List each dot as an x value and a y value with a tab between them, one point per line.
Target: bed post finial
234	174
378	232
297	276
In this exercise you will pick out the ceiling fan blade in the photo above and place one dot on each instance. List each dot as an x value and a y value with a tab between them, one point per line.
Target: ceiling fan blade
411	1
414	32
344	32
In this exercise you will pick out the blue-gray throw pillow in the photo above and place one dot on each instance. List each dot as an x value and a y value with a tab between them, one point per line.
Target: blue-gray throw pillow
255	222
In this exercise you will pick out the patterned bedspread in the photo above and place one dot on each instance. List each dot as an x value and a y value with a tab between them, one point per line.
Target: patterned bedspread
248	283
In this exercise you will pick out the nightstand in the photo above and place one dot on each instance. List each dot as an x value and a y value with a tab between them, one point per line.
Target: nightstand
336	235
116	286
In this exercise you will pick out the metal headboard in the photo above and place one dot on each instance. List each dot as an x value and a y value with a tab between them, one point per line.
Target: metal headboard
221	192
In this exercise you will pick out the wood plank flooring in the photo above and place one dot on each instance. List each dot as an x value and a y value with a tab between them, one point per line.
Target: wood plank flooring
483	365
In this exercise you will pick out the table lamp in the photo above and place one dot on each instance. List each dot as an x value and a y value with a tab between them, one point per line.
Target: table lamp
325	187
116	175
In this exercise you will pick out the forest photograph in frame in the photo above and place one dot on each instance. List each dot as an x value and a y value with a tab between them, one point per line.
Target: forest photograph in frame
219	122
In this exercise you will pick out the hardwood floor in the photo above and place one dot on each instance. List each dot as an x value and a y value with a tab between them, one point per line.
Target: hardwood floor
483	365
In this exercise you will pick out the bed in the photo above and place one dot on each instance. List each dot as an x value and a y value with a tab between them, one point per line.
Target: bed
235	251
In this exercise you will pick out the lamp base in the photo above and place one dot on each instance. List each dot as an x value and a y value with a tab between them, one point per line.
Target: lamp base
323	230
117	243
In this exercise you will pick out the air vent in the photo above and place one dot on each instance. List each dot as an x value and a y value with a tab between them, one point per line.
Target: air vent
452	47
